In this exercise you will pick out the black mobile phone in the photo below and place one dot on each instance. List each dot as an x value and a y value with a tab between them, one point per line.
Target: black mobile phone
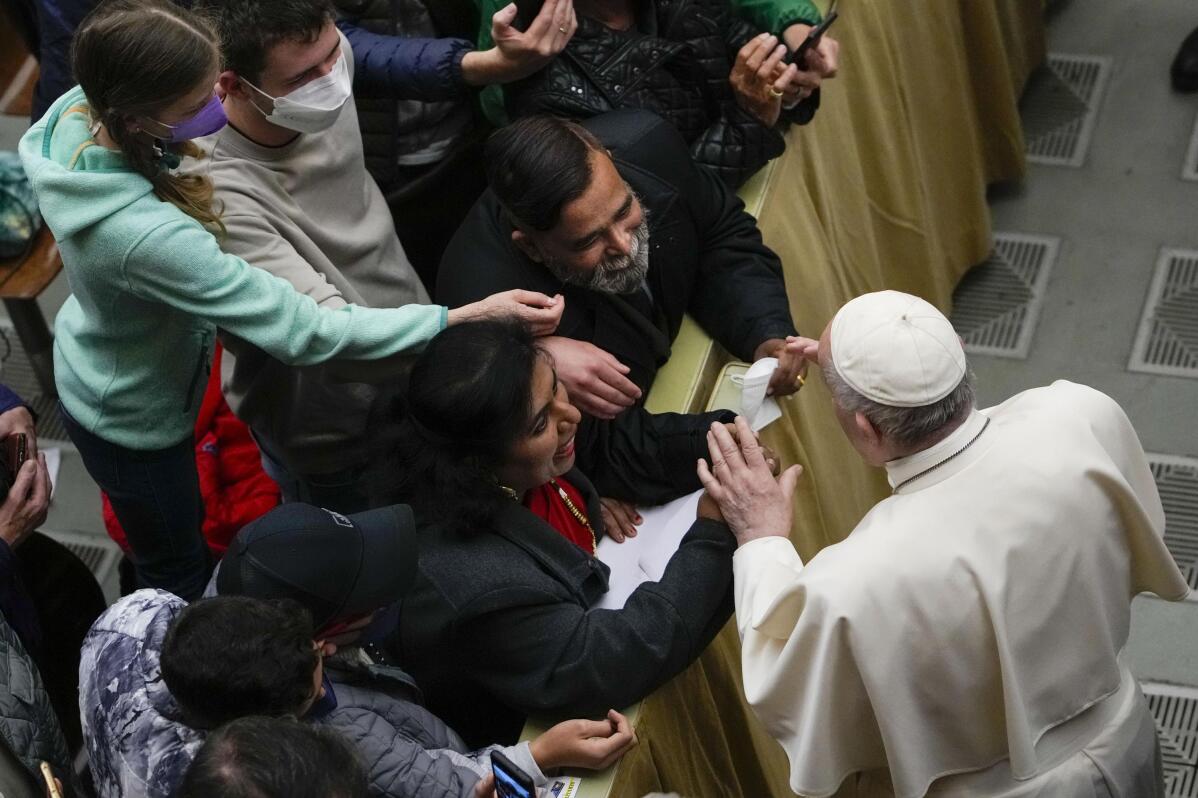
510	780
526	12
799	56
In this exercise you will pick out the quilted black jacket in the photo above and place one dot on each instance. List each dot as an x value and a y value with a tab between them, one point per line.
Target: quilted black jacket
676	62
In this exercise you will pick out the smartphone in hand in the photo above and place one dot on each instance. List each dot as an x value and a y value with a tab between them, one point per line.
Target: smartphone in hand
510	780
799	56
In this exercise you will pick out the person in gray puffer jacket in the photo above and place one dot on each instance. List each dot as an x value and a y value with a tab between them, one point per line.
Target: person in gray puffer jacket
29	730
161	674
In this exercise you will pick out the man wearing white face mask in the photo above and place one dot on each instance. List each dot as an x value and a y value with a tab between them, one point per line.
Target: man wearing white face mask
299	203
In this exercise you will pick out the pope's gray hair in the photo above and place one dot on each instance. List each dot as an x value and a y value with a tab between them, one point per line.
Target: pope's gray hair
905	426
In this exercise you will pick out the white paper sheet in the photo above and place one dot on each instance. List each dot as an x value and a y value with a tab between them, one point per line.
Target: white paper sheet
53	463
759	410
644	557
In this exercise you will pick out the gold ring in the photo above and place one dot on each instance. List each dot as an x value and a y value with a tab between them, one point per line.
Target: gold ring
799	379
562	29
774	92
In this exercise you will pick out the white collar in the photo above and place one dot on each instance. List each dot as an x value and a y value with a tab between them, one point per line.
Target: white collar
904	468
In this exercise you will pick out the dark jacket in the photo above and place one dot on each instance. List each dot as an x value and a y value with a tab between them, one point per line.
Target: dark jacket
706	258
29	729
675	62
500	622
390	66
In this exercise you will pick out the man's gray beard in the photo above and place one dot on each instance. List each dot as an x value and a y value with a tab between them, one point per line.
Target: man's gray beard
621	274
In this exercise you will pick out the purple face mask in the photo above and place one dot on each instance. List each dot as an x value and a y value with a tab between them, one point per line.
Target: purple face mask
205	121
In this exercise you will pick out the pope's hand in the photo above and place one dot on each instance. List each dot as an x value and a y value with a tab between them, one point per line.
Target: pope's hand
753	503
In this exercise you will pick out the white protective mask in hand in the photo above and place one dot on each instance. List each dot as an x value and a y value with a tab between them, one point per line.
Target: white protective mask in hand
314	106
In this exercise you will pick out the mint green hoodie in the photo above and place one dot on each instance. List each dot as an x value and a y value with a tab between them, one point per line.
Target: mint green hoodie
150	286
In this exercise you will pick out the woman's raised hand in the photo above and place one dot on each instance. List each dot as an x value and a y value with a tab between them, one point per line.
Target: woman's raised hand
540	312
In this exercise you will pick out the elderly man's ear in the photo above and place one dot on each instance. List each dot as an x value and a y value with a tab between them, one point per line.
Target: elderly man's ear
872	441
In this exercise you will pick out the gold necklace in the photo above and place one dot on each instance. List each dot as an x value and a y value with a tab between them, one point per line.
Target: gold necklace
574	511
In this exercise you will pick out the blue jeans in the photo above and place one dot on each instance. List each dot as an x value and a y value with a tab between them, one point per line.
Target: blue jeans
155	494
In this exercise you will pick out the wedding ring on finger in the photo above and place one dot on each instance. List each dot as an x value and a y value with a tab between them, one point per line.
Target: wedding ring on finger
799	379
562	28
774	92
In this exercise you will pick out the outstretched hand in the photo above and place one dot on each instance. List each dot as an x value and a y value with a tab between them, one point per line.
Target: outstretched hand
752	502
540	312
519	53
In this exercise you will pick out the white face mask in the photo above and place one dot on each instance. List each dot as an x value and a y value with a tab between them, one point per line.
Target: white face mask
314	106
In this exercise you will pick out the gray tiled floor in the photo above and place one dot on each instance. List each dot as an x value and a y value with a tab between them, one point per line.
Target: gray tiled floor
1113	215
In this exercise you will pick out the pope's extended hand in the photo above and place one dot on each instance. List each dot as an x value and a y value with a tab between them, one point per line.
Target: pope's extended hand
753	503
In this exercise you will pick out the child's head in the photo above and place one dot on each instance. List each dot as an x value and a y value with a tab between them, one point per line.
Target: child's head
232	656
147	66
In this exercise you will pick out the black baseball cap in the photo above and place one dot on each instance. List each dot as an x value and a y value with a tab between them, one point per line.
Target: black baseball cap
337	566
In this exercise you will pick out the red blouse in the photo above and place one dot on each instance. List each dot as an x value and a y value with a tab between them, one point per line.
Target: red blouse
547	504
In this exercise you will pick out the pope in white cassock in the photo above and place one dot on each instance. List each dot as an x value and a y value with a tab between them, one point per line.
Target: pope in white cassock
966	638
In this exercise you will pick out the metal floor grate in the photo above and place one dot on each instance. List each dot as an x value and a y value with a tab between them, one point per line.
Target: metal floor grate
1177	481
17	373
1059	107
1175	710
1189	169
1167	341
997	303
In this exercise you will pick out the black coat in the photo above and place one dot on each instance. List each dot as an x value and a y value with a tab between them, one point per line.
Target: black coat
706	258
499	623
676	62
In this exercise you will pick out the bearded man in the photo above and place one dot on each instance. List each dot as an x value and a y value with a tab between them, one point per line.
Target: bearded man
615	215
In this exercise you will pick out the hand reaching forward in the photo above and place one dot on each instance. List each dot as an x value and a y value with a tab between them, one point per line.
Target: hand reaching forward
752	502
541	313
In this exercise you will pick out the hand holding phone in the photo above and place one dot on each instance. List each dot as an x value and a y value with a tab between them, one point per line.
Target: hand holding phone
510	780
799	56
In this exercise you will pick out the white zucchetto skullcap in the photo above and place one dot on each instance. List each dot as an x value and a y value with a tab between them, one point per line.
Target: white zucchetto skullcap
897	349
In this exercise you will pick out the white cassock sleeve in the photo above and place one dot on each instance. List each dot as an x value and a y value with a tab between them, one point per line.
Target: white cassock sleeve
798	666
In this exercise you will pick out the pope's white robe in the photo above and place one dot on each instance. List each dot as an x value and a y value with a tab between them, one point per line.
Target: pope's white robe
972	622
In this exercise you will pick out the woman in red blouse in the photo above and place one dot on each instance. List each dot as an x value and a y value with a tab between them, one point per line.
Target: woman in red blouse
502	620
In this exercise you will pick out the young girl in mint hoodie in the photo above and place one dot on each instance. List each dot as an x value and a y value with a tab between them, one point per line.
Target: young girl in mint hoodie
150	285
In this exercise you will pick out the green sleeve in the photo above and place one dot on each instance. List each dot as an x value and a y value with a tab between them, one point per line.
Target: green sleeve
775	16
491	97
179	264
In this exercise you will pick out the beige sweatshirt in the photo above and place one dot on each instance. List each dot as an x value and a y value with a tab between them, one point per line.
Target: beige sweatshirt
308	212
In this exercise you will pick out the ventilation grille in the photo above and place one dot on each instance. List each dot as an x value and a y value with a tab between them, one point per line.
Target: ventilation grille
17	374
1175	710
1189	170
1059	107
997	303
1167	341
1177	481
